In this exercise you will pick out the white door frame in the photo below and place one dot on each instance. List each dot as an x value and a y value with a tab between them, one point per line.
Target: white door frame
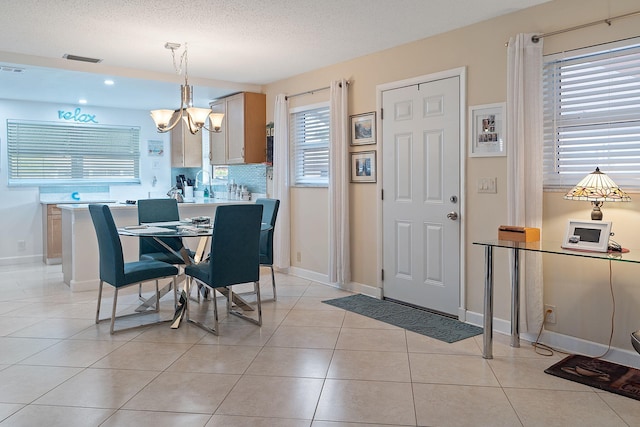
462	73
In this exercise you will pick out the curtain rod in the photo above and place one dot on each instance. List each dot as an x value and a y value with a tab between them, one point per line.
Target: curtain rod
312	91
607	21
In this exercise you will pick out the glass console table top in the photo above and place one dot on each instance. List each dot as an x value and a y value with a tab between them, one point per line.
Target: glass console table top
555	247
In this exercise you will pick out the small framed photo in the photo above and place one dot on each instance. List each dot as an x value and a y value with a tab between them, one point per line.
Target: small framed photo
590	236
487	125
363	166
363	129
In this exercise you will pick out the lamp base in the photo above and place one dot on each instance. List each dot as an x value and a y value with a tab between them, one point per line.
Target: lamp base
596	213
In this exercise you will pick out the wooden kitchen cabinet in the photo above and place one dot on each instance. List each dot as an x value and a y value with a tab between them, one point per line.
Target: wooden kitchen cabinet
52	227
186	148
242	137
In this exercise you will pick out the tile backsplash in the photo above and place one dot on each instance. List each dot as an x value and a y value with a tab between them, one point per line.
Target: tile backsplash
254	176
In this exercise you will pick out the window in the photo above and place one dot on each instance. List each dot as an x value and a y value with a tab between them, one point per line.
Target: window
592	114
50	153
310	142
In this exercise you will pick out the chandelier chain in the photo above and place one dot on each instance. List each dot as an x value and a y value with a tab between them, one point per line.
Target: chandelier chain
184	61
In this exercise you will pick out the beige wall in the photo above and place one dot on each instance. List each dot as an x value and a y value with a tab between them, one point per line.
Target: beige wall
578	289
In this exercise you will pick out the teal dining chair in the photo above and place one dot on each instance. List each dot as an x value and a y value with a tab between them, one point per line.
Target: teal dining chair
160	210
166	249
119	274
269	215
234	259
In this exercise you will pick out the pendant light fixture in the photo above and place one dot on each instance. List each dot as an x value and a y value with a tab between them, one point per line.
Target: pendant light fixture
194	117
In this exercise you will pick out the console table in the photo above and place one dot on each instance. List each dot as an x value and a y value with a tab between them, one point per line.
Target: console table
549	247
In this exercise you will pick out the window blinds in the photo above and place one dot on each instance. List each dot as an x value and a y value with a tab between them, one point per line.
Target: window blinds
592	114
51	153
310	136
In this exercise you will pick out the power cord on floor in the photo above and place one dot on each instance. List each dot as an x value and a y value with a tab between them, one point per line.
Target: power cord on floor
613	312
549	351
543	349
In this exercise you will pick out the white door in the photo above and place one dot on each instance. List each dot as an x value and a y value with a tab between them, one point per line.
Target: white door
421	194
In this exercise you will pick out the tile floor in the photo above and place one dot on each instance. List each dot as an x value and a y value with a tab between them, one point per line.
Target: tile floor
309	365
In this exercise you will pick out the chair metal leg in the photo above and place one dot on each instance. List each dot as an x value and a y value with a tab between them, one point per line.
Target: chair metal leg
188	289
113	310
99	302
113	317
242	315
213	300
175	292
157	310
273	283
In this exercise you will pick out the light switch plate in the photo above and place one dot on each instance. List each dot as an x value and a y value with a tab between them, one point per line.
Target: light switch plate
487	185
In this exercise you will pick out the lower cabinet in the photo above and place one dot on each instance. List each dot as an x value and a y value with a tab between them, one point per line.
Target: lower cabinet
52	234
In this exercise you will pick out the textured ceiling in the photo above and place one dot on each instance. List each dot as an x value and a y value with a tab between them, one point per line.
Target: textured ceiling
233	44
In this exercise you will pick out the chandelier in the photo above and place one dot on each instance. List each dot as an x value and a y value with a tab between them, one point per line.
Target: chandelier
194	117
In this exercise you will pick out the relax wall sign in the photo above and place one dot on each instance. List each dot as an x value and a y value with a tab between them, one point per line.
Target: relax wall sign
77	116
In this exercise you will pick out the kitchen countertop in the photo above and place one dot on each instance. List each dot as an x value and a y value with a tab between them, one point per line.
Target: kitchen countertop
74	202
121	205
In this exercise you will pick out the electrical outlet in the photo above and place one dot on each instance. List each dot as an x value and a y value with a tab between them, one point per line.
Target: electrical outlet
22	245
550	313
299	256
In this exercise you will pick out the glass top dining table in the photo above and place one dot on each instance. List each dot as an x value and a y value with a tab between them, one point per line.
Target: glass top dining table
160	230
173	229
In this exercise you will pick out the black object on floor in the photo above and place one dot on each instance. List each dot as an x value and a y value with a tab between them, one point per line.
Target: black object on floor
413	319
600	374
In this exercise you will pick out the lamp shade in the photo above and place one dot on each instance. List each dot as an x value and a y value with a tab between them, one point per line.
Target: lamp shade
198	115
216	121
162	117
597	187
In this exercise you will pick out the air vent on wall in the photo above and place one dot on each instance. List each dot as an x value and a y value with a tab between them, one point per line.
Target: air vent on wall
81	58
11	69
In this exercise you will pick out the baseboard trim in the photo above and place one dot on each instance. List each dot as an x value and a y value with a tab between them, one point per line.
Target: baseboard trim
356	287
563	342
28	259
309	275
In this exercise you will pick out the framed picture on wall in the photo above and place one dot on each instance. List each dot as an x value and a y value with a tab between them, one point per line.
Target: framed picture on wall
363	129
487	125
363	166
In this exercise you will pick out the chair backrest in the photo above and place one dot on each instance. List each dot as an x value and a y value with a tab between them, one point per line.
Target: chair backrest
234	254
109	245
158	210
269	215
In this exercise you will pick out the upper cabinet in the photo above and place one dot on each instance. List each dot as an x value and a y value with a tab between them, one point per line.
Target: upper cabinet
186	148
242	137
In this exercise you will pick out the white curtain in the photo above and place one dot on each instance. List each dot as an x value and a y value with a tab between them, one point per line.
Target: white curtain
282	233
339	247
524	169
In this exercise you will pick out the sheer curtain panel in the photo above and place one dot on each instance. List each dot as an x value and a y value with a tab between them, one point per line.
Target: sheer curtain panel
281	236
524	164
339	246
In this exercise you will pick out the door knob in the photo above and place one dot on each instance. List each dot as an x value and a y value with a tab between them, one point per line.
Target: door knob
452	216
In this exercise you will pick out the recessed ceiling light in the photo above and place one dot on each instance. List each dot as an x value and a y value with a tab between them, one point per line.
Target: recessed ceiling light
82	101
109	82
